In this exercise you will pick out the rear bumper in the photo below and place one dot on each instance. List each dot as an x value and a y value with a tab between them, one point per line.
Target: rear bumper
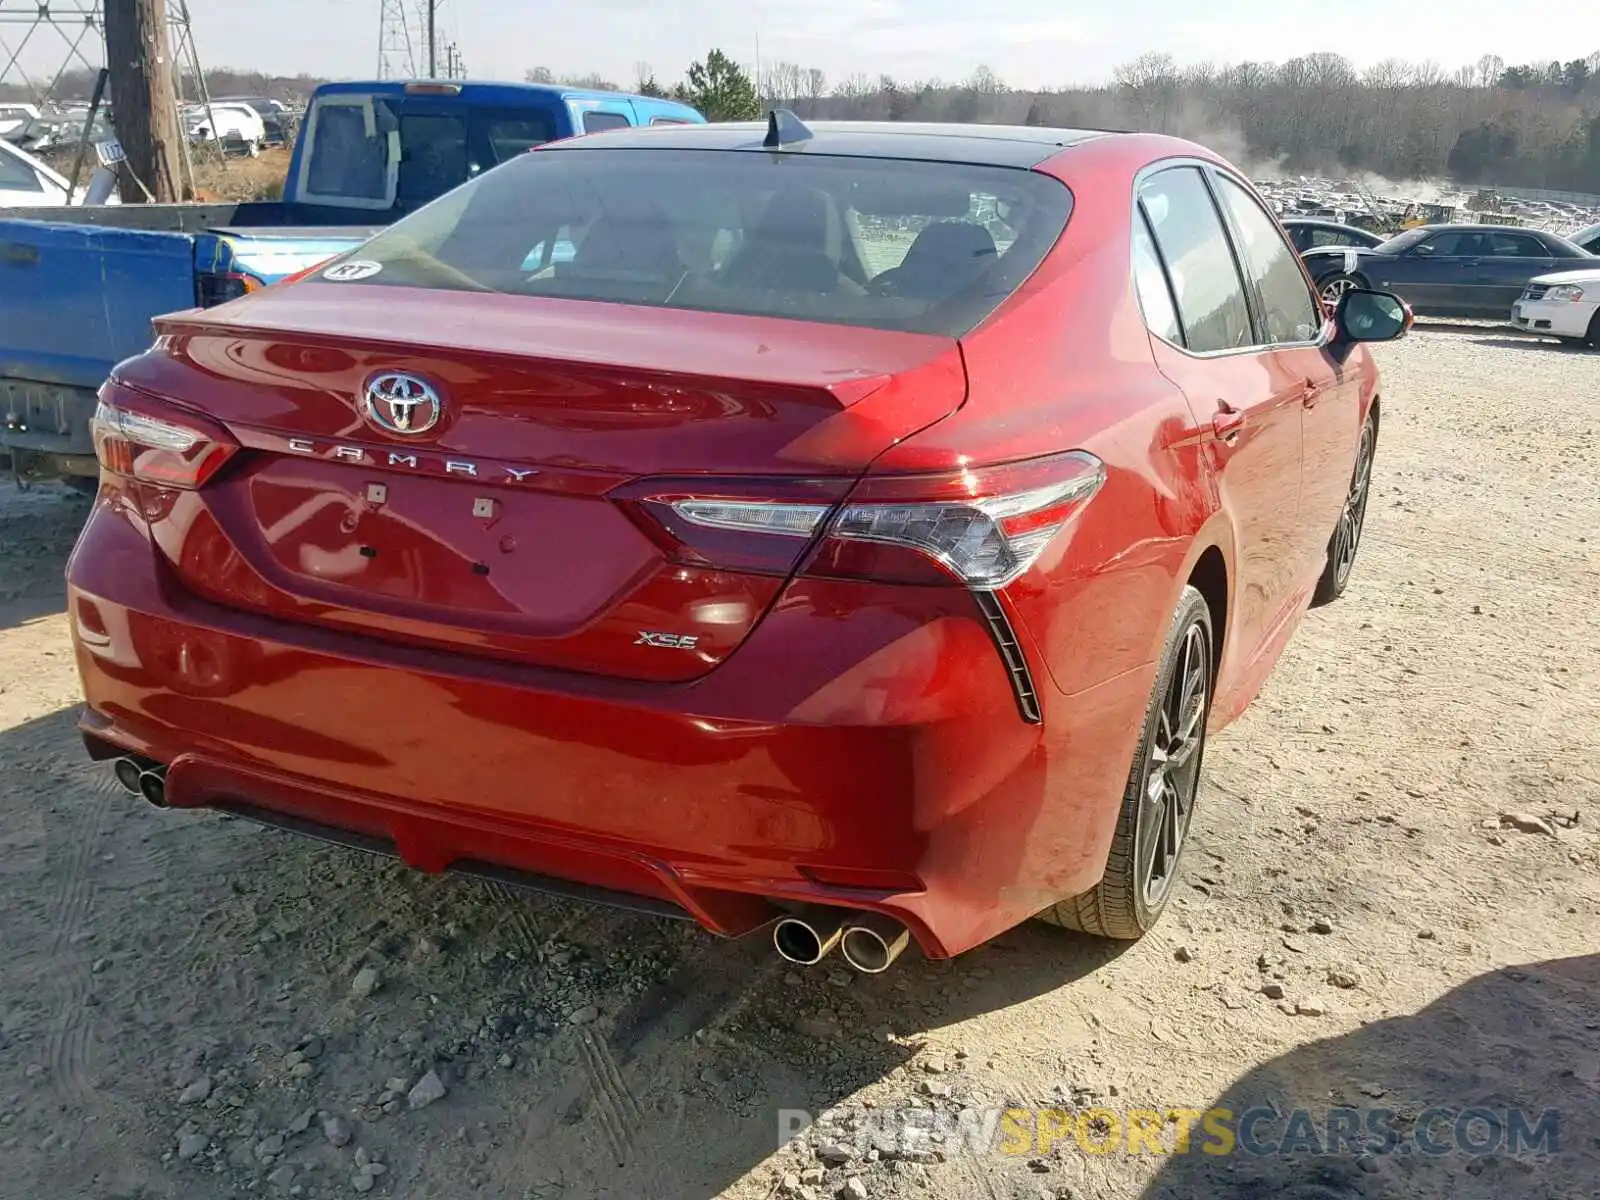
44	428
857	750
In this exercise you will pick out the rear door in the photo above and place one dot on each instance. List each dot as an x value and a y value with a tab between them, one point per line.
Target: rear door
1291	326
1246	397
1509	261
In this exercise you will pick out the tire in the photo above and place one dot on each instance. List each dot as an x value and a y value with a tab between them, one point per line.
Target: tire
1130	896
1345	542
1332	287
1594	329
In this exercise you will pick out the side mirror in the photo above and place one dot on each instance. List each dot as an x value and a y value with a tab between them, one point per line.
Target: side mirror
1423	249
1365	316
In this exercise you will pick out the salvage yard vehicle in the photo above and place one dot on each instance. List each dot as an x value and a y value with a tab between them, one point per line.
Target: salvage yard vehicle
1306	234
1446	270
753	563
1565	305
81	285
233	127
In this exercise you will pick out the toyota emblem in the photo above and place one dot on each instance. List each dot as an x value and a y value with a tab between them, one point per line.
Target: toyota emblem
401	403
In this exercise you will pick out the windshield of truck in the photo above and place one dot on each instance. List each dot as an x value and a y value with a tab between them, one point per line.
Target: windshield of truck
917	246
384	152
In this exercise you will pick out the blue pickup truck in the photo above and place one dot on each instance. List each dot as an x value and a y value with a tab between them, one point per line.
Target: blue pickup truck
79	286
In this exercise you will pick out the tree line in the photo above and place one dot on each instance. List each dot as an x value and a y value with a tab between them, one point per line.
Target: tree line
1529	125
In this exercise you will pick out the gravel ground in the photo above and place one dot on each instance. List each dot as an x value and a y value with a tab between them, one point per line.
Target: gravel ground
1387	904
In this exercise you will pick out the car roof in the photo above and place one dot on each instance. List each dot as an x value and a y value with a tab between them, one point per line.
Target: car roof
485	91
991	145
1469	227
1323	223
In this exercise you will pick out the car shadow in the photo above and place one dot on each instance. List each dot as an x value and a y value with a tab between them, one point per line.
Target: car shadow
672	1086
37	529
1542	345
1492	1091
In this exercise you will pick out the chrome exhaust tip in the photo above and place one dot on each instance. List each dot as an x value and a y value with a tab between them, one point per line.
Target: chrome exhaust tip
128	772
872	942
808	936
153	787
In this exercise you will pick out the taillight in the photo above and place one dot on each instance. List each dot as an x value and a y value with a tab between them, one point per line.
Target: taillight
175	449
980	526
750	524
983	525
218	287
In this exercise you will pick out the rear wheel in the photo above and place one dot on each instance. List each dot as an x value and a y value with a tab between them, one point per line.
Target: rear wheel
1333	288
1346	539
1158	802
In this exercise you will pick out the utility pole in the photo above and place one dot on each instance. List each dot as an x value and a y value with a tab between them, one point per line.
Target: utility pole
144	100
433	65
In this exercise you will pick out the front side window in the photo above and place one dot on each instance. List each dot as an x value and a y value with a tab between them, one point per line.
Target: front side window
921	247
1458	243
1205	280
1289	312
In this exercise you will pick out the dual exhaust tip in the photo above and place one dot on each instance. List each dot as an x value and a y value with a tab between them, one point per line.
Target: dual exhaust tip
870	942
141	777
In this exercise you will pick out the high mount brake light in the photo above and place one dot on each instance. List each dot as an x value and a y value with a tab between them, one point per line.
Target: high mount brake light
175	449
981	526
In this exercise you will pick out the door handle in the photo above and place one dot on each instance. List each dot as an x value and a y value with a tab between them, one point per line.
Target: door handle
1227	423
1311	395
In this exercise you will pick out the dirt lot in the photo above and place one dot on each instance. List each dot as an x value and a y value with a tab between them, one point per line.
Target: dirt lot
191	1007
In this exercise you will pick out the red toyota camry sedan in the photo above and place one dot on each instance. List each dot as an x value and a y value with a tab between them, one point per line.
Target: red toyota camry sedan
851	531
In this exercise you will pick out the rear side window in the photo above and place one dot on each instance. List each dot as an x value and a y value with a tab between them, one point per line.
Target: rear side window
1150	281
1516	245
1289	313
1199	260
511	135
598	122
917	246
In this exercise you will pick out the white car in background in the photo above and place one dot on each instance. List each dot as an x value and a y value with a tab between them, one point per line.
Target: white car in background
236	125
1565	305
25	182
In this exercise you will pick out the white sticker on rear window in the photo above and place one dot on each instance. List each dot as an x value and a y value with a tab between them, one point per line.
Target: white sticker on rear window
349	272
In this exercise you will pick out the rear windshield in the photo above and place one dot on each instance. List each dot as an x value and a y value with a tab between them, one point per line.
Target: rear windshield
915	246
381	152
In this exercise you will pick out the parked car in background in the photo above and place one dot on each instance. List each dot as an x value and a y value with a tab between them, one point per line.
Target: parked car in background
1587	239
1446	270
274	116
1564	305
844	540
236	127
25	182
84	283
1307	234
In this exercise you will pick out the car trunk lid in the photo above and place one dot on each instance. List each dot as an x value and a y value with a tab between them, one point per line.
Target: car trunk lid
498	529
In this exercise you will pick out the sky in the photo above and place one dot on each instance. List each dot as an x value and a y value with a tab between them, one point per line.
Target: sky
1028	43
